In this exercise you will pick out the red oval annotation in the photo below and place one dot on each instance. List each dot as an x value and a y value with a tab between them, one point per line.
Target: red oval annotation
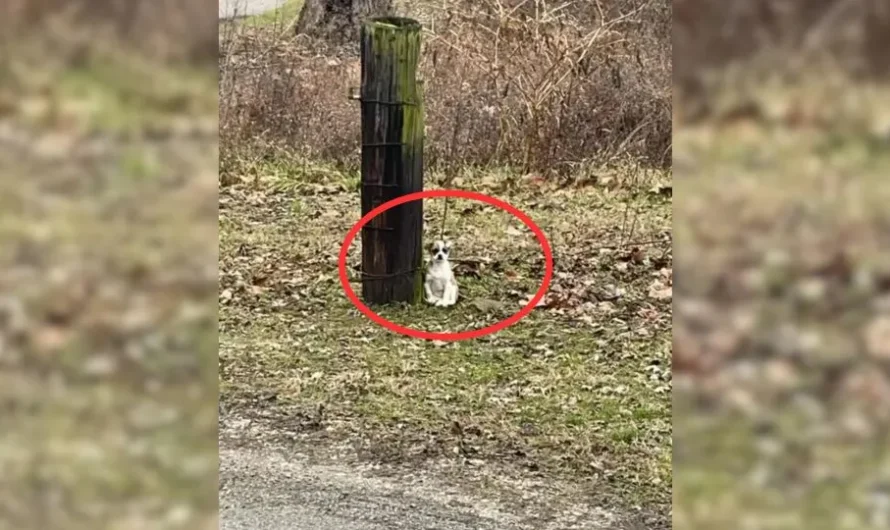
457	336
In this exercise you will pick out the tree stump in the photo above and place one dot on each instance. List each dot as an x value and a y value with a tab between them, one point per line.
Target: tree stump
392	160
338	20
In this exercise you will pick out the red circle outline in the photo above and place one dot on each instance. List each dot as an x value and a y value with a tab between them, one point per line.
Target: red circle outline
463	335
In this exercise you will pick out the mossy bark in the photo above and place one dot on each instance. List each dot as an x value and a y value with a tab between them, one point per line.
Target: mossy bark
392	160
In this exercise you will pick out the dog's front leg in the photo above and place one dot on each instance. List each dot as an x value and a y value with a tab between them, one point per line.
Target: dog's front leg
449	297
430	299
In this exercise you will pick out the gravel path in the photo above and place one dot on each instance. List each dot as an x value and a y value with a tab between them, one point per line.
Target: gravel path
267	488
263	491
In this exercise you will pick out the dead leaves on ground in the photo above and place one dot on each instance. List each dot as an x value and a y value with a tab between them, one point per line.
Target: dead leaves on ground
597	280
624	284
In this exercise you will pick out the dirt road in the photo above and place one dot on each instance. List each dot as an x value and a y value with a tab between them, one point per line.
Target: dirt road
270	487
266	491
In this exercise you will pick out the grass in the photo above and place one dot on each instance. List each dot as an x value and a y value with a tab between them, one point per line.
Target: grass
284	16
108	337
288	12
779	409
578	389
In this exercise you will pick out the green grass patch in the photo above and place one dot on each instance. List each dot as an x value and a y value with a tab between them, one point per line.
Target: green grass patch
287	13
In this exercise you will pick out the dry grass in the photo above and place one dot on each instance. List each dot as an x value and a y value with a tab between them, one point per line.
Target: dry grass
540	89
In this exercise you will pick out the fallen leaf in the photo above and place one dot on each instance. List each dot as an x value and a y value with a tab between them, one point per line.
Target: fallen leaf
50	339
541	303
659	291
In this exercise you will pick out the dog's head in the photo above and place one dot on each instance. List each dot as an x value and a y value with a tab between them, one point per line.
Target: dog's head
440	250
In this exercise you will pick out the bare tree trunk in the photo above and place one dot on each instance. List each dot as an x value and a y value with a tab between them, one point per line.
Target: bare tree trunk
338	20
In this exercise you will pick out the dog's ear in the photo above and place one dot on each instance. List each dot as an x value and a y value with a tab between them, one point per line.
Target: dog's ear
448	245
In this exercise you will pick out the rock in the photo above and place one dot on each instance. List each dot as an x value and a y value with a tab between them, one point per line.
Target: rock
659	291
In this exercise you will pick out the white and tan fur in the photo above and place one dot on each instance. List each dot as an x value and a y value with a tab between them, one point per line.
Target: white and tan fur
440	284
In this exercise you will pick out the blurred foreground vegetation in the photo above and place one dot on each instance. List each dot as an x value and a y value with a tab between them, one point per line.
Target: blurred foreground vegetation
108	252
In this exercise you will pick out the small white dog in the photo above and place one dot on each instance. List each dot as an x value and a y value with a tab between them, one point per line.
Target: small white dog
440	285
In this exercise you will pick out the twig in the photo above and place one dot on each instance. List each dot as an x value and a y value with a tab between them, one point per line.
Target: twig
444	217
630	244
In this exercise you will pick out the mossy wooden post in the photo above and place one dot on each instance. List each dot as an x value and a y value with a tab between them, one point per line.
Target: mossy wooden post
392	160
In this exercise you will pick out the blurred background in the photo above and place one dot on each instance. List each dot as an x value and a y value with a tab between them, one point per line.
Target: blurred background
782	321
108	157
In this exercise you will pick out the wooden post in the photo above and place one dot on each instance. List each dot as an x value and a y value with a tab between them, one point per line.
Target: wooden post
392	160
